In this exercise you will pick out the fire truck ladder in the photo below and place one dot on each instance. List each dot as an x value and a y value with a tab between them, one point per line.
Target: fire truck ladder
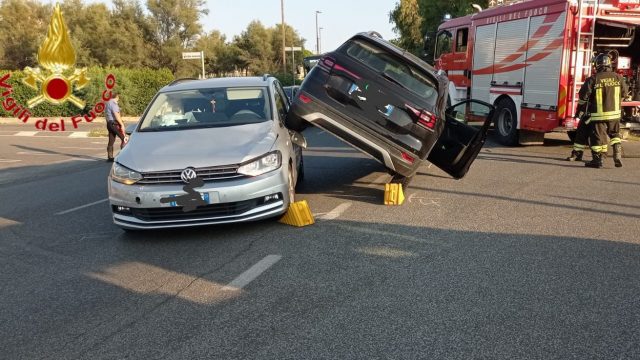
584	18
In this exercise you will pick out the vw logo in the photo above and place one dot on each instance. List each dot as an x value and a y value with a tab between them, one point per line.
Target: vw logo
188	174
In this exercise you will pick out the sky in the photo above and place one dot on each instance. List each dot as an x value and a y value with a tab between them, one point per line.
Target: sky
339	18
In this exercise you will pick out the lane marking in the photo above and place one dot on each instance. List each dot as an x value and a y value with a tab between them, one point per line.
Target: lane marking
81	207
34	153
79	134
248	276
8	160
335	213
78	147
26	133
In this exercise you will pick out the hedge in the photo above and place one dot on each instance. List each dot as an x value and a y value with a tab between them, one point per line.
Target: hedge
136	87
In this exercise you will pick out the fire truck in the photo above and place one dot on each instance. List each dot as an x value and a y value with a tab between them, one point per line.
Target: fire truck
529	59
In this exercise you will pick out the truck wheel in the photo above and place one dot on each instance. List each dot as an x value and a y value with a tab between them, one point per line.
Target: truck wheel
572	136
505	121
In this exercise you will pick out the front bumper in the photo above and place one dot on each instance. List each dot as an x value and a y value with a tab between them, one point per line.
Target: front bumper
239	200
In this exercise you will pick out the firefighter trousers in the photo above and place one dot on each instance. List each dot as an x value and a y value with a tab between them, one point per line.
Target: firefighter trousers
600	131
582	136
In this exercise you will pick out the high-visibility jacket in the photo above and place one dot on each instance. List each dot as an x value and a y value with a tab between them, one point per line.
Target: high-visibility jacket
603	93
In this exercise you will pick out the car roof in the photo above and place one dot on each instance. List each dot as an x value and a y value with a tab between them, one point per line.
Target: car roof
218	82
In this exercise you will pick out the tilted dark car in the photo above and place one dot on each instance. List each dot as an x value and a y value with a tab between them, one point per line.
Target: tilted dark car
392	106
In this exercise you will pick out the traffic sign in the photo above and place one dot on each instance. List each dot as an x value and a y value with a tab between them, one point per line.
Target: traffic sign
191	55
295	48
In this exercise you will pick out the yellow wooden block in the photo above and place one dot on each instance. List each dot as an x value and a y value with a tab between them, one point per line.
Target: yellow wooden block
393	194
299	214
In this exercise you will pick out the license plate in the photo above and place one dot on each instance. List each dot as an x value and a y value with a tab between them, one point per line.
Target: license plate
208	197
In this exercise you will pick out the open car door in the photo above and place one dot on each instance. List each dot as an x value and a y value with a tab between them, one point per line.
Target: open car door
460	144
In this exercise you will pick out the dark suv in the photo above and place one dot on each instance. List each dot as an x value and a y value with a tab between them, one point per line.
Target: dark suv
391	105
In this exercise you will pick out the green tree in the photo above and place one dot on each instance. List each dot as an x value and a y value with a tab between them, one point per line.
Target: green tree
23	26
410	23
256	51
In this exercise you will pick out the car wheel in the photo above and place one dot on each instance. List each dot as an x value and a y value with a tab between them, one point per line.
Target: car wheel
300	170
506	122
291	186
402	180
572	136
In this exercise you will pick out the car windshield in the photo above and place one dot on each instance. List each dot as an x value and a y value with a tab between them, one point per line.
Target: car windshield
407	76
213	107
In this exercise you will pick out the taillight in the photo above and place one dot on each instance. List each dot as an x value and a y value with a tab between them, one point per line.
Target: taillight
304	98
406	157
343	69
425	118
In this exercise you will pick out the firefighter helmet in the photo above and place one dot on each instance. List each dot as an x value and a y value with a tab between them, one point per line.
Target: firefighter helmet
601	62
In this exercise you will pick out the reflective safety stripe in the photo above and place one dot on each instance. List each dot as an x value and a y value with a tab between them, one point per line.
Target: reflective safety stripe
579	147
582	102
599	148
607	115
599	101
615	140
617	98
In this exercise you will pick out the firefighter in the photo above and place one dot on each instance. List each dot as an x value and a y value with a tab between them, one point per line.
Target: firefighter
601	101
580	141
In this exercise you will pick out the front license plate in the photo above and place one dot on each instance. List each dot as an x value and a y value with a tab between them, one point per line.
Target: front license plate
209	197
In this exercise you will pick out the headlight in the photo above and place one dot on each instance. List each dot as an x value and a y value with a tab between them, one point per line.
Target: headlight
263	165
124	175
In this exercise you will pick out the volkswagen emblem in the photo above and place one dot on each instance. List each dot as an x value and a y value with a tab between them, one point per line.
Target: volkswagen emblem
188	174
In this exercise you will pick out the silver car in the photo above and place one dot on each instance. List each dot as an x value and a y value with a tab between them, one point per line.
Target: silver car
208	152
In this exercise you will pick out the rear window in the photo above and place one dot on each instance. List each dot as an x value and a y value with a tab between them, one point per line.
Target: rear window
214	107
393	69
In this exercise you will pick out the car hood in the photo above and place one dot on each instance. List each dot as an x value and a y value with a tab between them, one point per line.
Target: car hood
172	150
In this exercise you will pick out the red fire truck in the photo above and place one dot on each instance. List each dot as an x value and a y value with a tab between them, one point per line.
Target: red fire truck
529	59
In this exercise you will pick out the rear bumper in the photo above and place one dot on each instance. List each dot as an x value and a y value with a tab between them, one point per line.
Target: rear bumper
383	151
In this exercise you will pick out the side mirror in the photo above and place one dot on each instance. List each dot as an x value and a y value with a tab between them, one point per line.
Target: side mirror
130	129
298	139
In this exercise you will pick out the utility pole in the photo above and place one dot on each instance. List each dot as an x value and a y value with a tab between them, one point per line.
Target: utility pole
284	54
317	33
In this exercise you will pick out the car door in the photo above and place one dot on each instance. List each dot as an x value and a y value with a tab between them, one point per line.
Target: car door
384	93
459	144
282	108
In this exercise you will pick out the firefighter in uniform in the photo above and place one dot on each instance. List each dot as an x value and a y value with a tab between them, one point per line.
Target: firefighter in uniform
580	141
601	102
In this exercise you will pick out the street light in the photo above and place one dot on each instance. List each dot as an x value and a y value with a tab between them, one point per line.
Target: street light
317	33
320	39
284	54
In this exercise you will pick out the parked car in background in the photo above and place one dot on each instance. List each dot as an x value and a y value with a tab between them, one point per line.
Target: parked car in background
291	91
227	134
392	106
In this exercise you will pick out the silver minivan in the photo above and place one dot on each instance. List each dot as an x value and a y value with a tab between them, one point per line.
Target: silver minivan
208	152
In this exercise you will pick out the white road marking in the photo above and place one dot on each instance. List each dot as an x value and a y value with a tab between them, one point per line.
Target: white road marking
335	213
78	148
79	134
8	160
34	153
26	133
81	207
248	276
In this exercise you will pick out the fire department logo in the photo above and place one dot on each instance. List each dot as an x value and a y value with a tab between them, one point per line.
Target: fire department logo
57	56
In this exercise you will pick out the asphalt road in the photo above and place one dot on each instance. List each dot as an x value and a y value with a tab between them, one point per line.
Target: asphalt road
528	257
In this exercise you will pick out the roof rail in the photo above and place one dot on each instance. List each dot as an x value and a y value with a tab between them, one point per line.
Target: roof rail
178	81
375	33
265	76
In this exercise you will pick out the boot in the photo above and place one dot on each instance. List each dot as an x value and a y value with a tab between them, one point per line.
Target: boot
596	162
576	155
617	155
110	153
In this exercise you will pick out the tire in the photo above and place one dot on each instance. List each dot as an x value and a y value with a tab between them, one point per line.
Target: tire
402	180
295	123
572	136
505	122
300	171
